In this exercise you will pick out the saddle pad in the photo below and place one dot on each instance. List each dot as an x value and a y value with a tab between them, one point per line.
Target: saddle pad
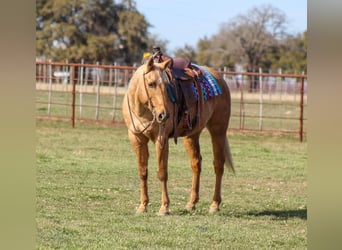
209	85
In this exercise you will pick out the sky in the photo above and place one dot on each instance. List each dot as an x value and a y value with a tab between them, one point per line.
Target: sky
183	22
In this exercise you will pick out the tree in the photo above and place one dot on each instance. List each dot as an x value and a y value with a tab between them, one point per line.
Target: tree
155	40
253	40
255	32
290	55
247	38
186	52
221	50
203	56
132	28
293	54
93	30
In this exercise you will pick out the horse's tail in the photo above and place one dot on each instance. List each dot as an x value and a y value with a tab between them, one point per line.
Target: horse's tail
228	156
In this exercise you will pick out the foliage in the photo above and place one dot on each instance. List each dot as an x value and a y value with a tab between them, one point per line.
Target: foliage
154	40
133	28
253	40
290	55
186	52
107	32
93	30
203	56
88	187
255	32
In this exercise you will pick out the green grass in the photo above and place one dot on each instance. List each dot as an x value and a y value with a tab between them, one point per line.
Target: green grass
88	189
63	109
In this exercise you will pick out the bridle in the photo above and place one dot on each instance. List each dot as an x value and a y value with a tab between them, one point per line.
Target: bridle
150	103
131	113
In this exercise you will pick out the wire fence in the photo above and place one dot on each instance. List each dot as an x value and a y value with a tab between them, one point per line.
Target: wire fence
81	92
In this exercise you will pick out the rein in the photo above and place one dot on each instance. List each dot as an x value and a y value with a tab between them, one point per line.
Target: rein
131	113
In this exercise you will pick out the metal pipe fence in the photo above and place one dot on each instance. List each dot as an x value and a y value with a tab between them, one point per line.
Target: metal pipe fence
93	92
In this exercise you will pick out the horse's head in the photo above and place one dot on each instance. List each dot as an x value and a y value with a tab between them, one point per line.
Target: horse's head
152	89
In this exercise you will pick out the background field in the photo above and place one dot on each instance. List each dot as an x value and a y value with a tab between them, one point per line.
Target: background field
284	111
87	191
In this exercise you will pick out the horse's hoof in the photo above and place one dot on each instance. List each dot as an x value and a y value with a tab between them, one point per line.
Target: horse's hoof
213	210
163	212
140	210
190	207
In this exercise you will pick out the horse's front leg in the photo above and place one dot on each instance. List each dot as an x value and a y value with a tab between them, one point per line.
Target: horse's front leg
192	147
140	147
162	153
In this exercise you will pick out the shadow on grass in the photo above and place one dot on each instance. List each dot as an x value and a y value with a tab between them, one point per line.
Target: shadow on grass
274	214
277	214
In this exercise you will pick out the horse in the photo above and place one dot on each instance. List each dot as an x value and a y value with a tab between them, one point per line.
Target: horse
148	111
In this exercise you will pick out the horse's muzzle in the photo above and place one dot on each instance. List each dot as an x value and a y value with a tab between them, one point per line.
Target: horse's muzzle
162	117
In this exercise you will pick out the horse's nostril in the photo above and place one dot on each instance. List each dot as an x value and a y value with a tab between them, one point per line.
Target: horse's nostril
163	116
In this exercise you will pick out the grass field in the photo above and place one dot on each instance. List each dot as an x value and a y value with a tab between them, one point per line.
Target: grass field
88	188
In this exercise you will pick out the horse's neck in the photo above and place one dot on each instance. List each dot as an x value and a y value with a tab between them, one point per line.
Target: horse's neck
139	109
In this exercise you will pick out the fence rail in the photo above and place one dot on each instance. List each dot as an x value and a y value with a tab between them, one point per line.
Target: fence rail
260	101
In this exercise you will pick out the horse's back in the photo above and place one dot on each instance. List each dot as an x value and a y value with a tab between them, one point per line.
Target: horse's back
221	106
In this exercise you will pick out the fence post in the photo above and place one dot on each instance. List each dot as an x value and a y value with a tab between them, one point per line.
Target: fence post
116	79
281	84
44	73
225	75
65	68
98	91
50	87
242	106
81	87
301	115
73	96
260	99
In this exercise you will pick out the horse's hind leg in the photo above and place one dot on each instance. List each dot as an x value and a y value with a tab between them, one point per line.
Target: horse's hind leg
192	147
218	137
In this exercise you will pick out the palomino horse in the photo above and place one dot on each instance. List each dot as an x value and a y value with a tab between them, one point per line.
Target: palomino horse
148	112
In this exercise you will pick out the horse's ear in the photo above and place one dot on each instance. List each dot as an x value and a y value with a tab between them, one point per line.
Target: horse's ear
149	64
165	64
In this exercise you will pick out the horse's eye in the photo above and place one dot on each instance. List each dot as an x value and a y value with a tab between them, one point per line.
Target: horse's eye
151	84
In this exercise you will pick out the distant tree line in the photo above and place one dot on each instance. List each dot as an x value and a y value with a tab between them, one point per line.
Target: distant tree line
255	40
105	31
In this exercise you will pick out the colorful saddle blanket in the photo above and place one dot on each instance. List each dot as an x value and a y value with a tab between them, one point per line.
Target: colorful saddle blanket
209	85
